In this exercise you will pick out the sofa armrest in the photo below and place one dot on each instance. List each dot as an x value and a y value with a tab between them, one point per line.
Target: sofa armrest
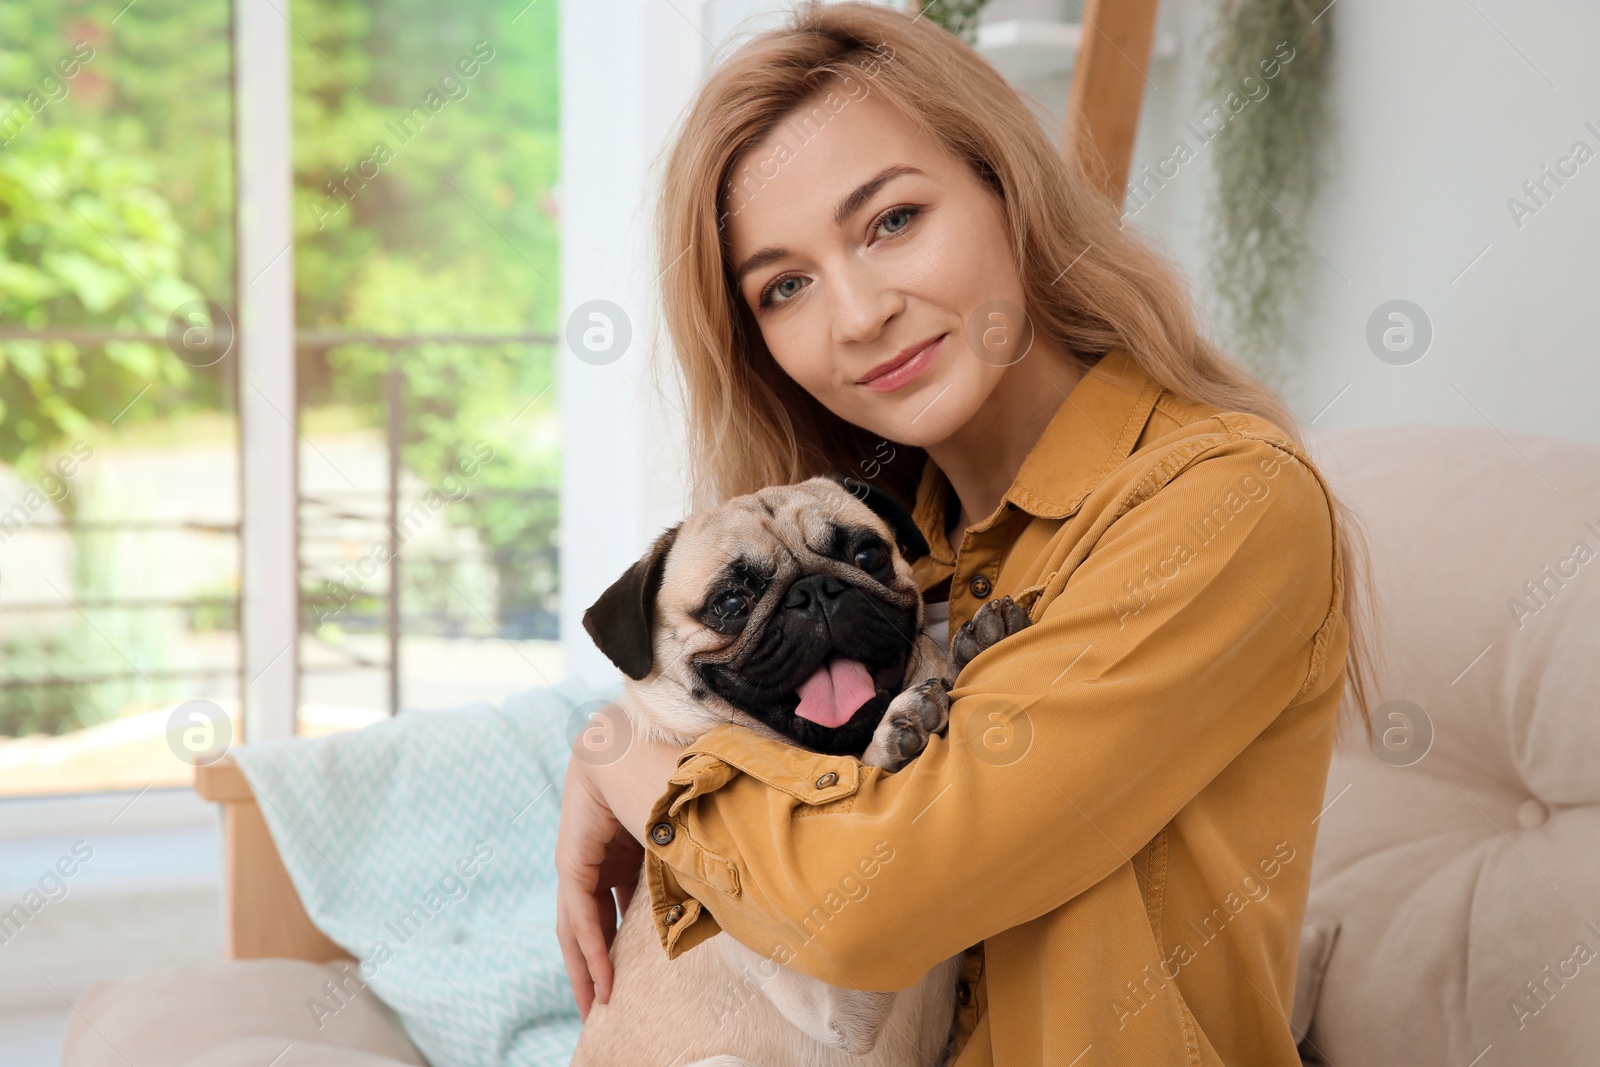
262	914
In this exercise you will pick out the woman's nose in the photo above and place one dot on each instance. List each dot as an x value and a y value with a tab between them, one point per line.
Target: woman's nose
862	304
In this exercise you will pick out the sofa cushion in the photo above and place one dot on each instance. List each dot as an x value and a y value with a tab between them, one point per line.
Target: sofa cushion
1460	853
1316	948
240	1014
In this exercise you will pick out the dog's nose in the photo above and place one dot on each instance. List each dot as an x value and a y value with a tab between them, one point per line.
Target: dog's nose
813	592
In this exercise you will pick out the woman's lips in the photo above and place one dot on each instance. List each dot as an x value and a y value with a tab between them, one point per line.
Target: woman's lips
908	371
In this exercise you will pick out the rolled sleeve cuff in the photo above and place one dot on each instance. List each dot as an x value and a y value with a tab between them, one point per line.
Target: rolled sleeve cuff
686	876
681	921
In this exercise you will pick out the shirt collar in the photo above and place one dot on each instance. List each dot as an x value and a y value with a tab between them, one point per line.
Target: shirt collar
1091	433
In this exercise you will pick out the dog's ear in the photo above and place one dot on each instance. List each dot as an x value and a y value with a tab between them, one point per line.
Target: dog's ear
621	620
913	546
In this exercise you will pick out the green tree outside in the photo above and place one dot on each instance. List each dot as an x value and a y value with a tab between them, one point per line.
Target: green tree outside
116	209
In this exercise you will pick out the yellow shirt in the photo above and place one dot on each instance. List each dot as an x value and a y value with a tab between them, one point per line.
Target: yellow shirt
1118	826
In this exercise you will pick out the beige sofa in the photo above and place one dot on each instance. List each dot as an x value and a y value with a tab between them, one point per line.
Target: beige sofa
1457	862
1460	859
253	1008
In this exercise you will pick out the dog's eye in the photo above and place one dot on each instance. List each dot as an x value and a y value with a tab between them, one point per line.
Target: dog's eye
871	557
730	605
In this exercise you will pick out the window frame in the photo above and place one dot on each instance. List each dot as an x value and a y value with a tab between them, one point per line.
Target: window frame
269	593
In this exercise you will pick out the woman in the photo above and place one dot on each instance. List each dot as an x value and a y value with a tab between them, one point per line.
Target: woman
875	261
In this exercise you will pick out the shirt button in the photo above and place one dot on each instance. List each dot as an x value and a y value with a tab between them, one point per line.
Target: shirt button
963	993
674	913
661	833
826	780
980	586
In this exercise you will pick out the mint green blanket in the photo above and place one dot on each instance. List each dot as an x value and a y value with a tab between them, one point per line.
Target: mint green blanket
423	846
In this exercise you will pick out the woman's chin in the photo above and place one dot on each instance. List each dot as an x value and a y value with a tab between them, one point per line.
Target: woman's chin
922	414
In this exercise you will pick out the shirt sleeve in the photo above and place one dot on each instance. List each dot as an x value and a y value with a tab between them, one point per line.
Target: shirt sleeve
1193	620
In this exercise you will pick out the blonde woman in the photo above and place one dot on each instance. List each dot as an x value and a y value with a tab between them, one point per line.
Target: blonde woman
874	261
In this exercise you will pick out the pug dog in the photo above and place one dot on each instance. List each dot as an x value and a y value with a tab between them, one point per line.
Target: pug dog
791	611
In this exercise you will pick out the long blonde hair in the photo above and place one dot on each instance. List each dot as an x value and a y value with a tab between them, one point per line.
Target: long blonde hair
750	425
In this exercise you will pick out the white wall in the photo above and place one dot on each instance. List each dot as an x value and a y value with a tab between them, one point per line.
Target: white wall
1442	112
628	68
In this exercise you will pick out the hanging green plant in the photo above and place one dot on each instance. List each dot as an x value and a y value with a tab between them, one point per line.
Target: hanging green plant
1268	70
960	17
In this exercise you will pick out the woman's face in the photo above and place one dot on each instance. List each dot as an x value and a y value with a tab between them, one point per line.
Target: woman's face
860	241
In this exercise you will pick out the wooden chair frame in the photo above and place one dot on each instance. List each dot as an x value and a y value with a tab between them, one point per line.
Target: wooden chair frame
262	913
1108	80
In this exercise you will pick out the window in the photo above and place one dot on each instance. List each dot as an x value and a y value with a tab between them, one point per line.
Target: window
119	497
277	455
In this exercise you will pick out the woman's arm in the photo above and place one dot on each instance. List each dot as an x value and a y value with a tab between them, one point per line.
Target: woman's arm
598	849
1164	654
632	783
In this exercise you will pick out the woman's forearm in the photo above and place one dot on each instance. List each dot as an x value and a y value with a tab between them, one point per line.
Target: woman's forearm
632	783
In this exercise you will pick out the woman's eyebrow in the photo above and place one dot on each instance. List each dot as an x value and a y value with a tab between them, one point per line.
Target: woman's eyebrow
851	203
848	205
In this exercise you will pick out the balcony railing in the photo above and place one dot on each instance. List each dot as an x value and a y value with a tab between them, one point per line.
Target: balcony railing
380	610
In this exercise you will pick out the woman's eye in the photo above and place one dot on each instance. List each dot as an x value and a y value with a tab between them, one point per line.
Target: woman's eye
781	287
904	212
871	558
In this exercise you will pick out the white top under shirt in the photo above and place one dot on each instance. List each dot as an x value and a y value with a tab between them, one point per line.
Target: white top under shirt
937	625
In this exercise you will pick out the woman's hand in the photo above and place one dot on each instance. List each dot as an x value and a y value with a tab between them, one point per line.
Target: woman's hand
594	854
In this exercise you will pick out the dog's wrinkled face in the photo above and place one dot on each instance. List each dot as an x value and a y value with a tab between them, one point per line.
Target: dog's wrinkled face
794	606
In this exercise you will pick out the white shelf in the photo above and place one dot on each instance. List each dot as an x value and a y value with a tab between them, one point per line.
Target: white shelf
1034	48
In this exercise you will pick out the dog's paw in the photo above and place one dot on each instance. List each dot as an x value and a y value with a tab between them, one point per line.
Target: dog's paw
993	623
913	717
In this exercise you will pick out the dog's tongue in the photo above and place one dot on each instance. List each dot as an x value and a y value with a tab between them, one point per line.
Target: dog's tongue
835	692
